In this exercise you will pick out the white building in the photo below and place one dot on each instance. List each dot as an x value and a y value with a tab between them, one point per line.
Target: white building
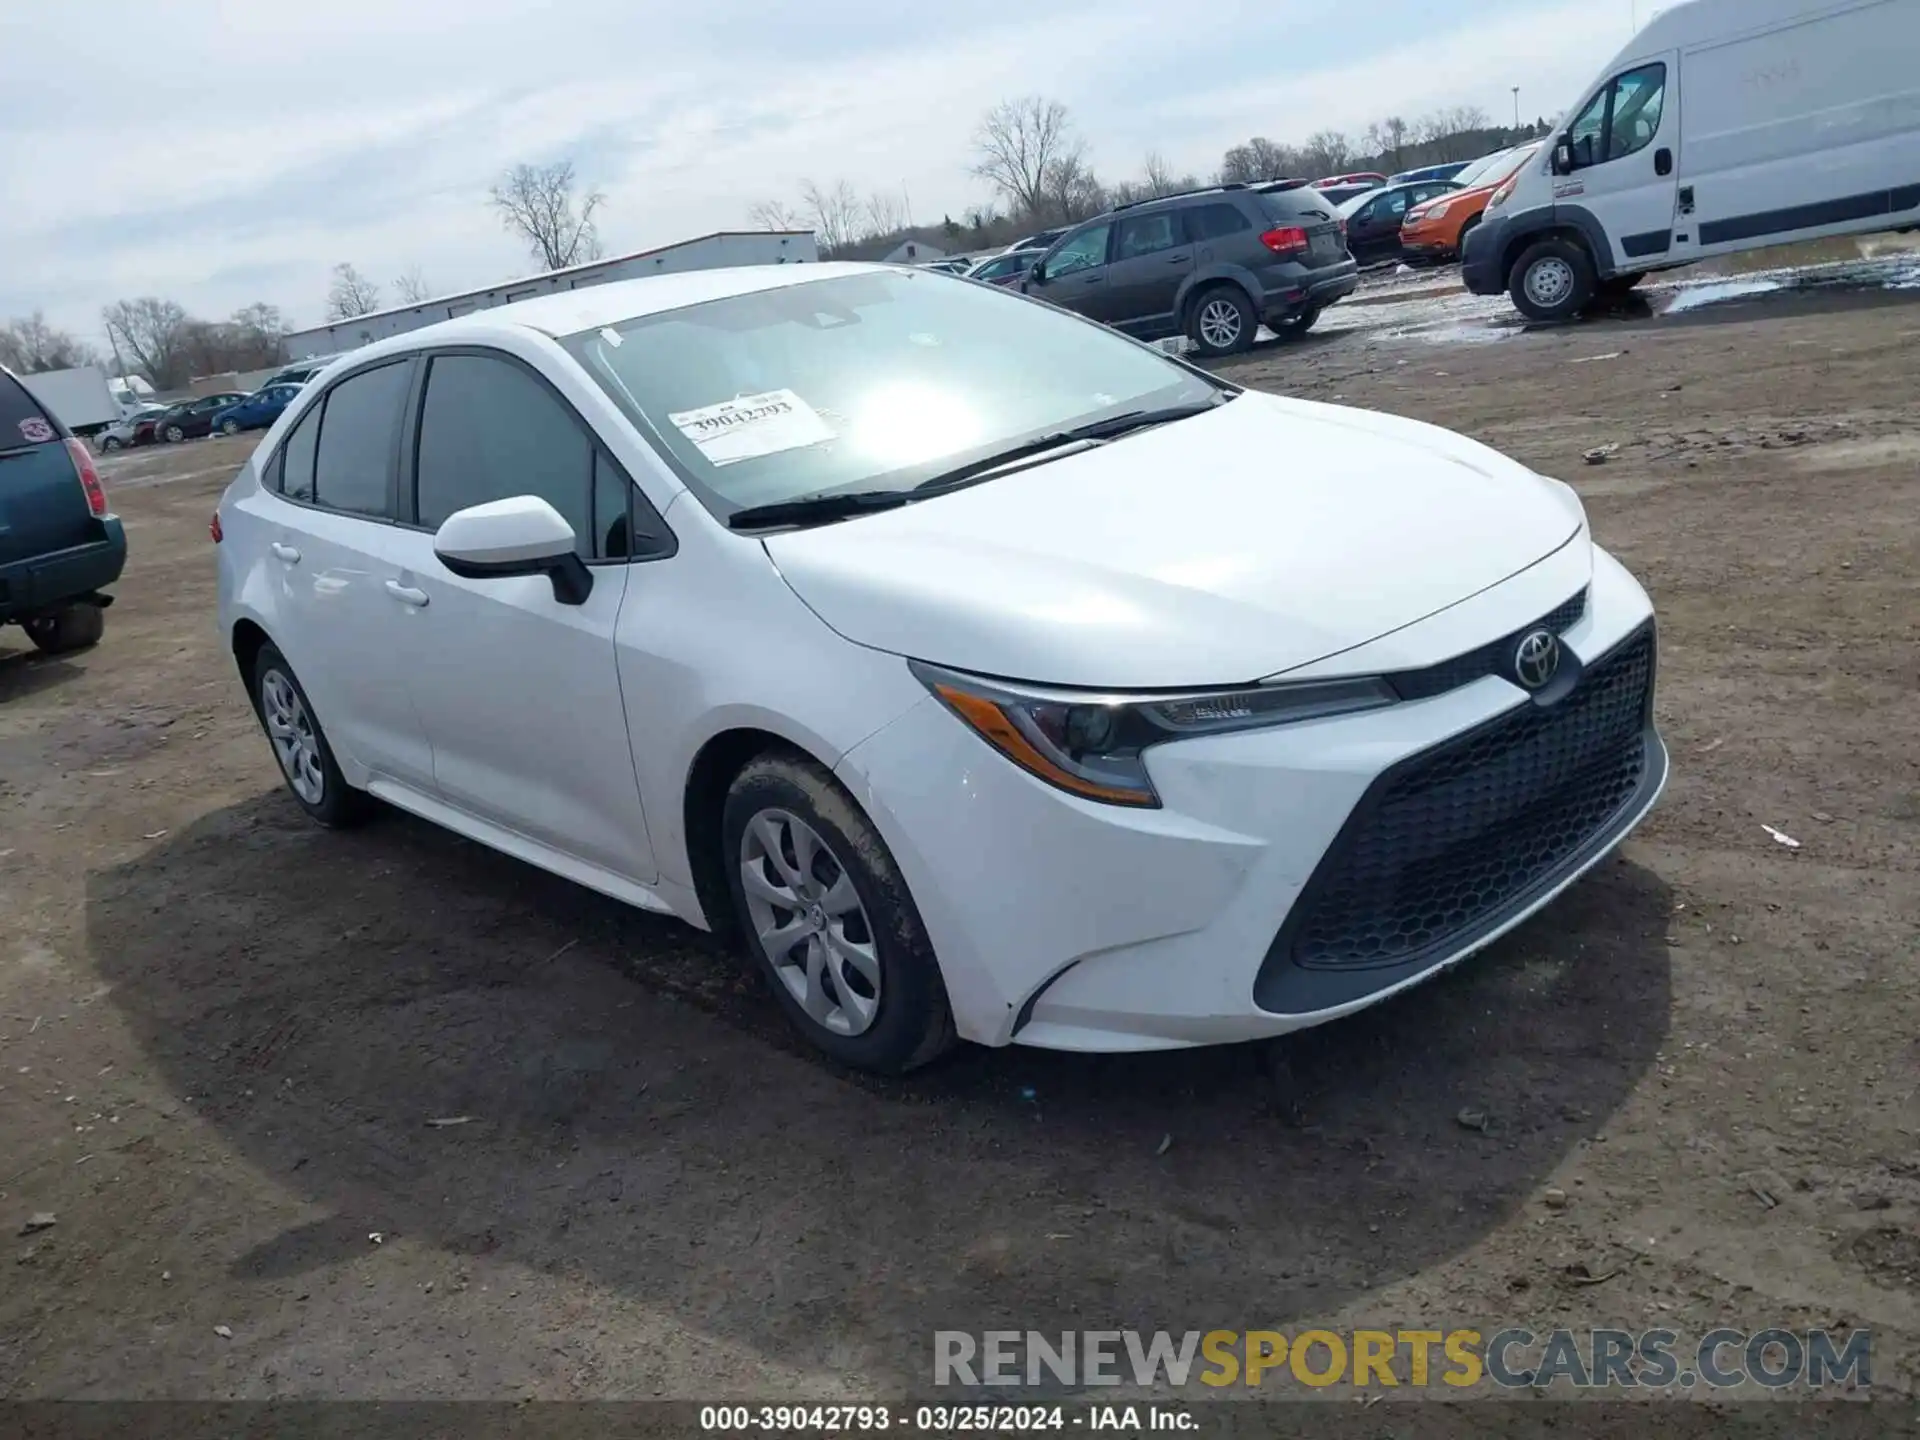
709	252
915	252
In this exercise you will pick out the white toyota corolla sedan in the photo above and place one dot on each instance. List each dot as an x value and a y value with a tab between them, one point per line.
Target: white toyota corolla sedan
988	674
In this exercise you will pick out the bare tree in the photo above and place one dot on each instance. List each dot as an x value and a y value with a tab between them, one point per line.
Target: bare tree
1258	159
411	286
1386	140
886	213
1327	152
149	332
1024	148
538	203
351	294
28	344
1453	133
834	214
775	215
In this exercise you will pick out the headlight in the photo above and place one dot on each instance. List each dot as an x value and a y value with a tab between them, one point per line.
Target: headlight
1501	196
1092	745
1439	210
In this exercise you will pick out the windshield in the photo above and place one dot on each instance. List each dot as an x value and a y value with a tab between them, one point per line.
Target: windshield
1483	169
864	382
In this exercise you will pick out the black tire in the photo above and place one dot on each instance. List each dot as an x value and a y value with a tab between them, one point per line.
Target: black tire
1473	223
337	804
77	627
1201	315
1552	280
174	435
911	1023
1304	321
112	442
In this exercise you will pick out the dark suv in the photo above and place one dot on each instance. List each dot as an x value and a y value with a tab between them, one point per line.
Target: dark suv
1209	264
59	543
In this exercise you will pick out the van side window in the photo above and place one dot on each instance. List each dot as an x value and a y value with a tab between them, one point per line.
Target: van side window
1622	119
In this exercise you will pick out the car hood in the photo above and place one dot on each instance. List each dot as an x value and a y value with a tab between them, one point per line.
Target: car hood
1244	542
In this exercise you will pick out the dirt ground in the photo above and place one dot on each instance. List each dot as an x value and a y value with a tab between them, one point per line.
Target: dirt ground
226	1036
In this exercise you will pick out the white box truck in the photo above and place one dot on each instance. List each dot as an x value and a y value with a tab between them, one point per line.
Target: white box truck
1725	125
79	397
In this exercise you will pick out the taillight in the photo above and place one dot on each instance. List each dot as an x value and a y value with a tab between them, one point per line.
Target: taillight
1286	240
213	528
89	478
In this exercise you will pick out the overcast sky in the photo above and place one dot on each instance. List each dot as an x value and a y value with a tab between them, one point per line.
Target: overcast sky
222	153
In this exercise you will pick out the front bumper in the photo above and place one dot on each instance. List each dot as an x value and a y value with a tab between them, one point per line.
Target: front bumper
42	582
1073	925
1480	257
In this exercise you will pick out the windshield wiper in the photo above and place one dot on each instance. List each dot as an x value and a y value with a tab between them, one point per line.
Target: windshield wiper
841	505
829	506
1092	432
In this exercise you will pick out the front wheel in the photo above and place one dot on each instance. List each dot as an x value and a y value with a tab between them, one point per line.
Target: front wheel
827	915
1552	281
229	427
1222	321
75	628
174	434
300	745
112	442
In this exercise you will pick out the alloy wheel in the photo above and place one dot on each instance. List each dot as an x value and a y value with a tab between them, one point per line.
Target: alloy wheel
1220	324
811	923
295	742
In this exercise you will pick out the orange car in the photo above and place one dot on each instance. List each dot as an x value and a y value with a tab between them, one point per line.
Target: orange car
1438	228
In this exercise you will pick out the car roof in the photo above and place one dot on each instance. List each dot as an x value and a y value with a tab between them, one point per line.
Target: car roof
568	312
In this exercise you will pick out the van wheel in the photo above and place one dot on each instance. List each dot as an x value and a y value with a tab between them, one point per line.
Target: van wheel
74	628
1553	280
1221	321
829	920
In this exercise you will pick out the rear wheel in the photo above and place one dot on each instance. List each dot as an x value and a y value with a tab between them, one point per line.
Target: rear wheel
1552	280
74	628
1222	321
827	915
300	745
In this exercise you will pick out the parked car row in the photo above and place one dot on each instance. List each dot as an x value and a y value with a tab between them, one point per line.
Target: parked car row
226	413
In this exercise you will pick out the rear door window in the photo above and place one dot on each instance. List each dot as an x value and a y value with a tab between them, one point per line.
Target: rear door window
359	429
296	469
1148	234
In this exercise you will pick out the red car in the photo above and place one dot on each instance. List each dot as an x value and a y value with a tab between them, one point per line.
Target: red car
1359	177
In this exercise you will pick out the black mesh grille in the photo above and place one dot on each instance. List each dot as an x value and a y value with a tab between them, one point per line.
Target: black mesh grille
1492	658
1463	830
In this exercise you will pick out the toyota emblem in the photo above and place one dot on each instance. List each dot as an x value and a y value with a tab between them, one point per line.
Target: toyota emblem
1537	660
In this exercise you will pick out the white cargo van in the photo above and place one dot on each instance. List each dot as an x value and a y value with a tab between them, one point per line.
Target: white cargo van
1725	125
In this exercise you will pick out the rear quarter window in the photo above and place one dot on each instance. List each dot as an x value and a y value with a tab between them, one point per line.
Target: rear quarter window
22	421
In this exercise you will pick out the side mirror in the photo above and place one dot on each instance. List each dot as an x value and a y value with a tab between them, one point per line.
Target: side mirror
1563	156
522	535
1037	275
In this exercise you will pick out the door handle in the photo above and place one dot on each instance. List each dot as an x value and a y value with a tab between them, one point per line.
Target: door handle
1093	280
1663	161
285	552
406	594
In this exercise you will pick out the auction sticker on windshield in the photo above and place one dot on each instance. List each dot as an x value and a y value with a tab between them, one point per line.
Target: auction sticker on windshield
751	426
